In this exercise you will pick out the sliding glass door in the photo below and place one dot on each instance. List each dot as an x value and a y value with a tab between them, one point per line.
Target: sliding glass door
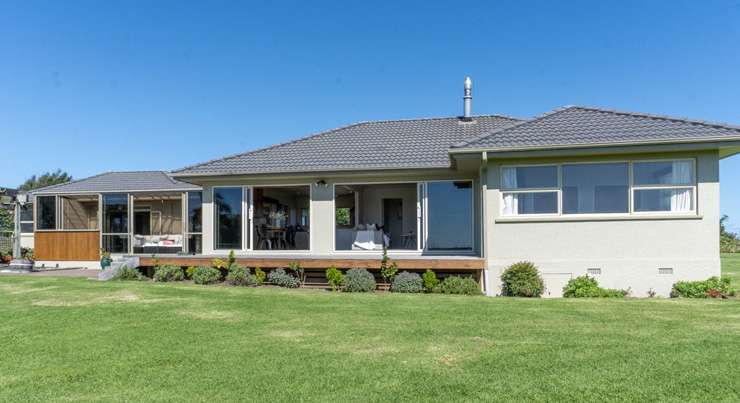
116	223
228	206
449	216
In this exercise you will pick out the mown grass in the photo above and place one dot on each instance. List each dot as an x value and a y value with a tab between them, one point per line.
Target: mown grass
731	267
82	340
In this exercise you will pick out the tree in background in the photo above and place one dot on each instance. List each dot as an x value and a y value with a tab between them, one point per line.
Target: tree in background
47	179
6	220
728	241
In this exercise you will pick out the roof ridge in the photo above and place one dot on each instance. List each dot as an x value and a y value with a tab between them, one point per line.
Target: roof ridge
717	125
513	125
326	132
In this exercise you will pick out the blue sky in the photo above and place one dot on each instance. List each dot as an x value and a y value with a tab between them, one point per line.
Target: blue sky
130	85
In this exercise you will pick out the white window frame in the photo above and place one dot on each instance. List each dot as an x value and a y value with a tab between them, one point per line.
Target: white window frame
31	221
692	187
630	196
558	190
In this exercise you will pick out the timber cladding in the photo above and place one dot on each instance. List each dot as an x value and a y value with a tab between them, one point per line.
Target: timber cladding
67	245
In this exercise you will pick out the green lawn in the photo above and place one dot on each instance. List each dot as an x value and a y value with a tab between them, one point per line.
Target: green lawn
731	267
77	339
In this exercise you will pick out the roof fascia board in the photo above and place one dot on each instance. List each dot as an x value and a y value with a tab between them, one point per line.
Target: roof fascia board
81	192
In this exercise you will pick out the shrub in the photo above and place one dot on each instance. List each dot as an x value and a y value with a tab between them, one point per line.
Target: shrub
458	285
335	278
588	287
231	259
240	276
189	272
298	270
168	273
713	287
522	280
280	278
430	280
407	282
126	273
259	275
206	275
359	280
388	269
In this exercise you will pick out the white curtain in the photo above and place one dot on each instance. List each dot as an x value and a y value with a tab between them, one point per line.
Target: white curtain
511	201
682	172
680	199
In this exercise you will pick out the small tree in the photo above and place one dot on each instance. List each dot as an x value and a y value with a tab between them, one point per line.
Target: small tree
335	278
388	269
298	270
728	241
232	259
46	179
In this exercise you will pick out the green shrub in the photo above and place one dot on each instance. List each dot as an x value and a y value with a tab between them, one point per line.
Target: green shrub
240	276
458	285
259	275
359	280
388	269
522	280
588	287
407	282
126	273
335	278
430	280
189	272
206	275
280	278
713	287
168	273
299	271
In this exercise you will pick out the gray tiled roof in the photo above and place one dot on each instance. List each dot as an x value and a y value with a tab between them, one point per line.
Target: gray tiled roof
392	144
581	126
120	182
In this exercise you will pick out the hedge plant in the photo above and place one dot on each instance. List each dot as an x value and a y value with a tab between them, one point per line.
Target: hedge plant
168	273
240	276
430	280
259	275
588	287
280	278
126	273
334	277
407	282
359	280
206	275
713	287
458	285
522	280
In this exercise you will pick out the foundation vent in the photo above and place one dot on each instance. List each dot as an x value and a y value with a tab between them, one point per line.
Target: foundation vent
595	271
665	270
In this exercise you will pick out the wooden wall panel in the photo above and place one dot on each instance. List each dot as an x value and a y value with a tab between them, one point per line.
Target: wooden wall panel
67	245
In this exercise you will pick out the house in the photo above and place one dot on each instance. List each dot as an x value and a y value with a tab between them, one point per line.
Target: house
7	203
630	198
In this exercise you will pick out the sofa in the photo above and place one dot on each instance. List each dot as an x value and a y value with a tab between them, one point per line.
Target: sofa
157	244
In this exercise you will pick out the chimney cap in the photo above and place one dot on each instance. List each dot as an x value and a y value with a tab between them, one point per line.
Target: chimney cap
468	99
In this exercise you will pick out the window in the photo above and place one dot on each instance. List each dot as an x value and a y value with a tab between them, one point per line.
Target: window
194	229
115	223
79	212
450	216
46	212
599	188
280	217
228	217
596	188
27	219
530	190
664	186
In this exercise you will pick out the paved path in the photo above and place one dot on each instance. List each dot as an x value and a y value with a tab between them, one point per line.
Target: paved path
89	273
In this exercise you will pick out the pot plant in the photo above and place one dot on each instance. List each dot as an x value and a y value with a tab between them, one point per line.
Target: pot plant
105	260
6	257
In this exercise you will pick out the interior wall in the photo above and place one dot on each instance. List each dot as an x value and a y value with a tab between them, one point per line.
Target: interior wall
78	214
371	200
171	215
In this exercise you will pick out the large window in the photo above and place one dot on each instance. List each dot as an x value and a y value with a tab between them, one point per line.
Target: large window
595	188
195	223
227	202
46	212
530	190
599	188
449	216
27	219
281	217
115	223
79	212
664	186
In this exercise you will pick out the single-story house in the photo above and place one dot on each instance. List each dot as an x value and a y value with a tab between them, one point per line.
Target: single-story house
629	198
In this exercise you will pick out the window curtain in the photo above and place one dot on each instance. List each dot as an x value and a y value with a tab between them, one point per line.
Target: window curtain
681	199
682	172
511	201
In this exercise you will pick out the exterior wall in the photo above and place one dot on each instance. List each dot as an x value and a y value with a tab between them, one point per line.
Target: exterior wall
27	240
322	207
628	250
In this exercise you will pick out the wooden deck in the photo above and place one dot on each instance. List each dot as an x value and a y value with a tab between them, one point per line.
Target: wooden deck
435	263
